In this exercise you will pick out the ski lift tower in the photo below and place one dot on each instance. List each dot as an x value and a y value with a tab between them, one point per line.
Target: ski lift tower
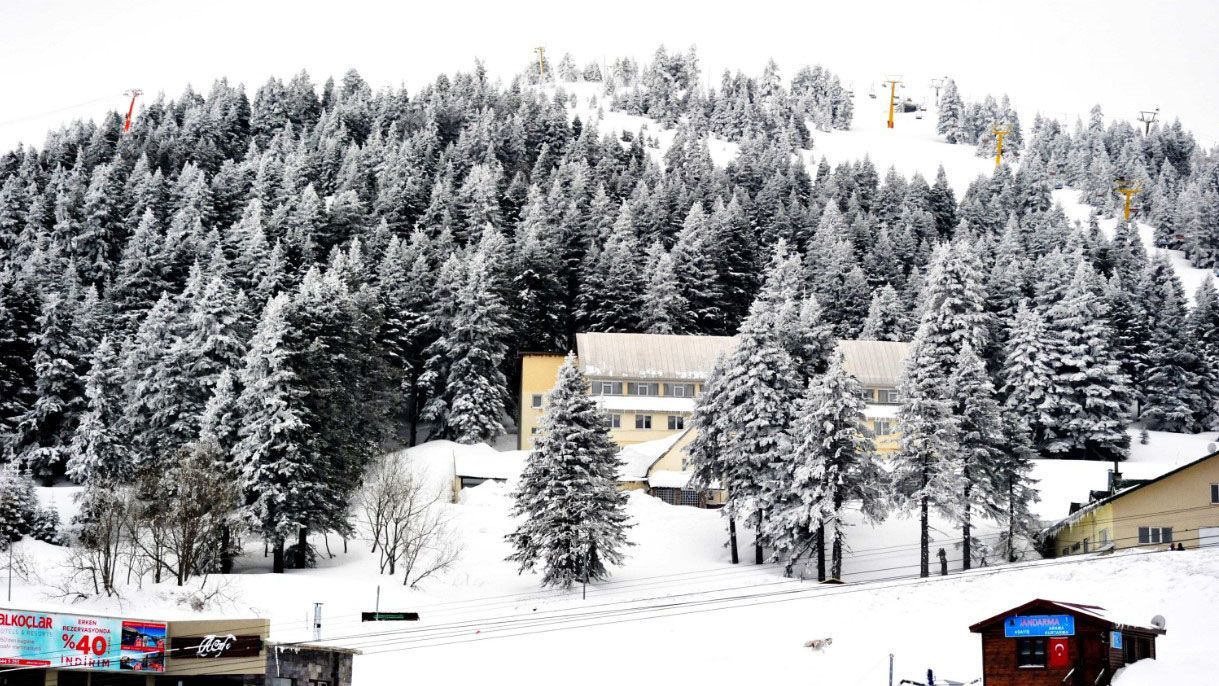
1148	117
999	134
893	81
937	84
1129	192
541	51
134	93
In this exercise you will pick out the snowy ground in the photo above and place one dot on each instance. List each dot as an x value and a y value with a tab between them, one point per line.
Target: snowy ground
678	605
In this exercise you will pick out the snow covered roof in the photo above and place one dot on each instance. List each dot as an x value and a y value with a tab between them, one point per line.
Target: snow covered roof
658	356
492	465
634	403
650	356
667	478
880	411
874	363
637	459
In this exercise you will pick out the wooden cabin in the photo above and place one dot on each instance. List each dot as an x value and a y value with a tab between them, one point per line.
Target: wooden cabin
1050	643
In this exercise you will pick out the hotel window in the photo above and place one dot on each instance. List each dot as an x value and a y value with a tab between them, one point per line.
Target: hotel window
679	390
1155	534
1214	494
884	427
1030	652
607	388
536	400
643	421
633	388
676	422
614	421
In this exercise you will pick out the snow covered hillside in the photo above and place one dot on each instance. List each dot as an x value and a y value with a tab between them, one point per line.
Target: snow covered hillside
679	601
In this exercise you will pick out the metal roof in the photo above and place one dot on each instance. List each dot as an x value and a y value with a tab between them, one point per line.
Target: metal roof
691	358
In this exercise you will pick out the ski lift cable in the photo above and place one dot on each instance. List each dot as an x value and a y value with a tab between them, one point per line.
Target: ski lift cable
68	108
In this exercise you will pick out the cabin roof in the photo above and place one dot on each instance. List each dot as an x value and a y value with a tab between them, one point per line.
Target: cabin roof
1094	611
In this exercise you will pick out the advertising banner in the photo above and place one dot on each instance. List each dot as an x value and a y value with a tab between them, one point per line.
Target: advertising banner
47	639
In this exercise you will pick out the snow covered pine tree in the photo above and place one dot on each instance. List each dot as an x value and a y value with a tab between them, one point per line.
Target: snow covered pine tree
575	517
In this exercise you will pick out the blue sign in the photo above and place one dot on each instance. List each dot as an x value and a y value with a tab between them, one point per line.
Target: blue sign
1115	640
1039	625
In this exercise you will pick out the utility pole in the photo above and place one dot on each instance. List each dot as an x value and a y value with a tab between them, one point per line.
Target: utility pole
892	96
134	93
541	51
999	134
317	621
1129	192
937	84
1148	117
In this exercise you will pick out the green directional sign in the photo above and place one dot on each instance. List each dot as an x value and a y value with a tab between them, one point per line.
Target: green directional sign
389	616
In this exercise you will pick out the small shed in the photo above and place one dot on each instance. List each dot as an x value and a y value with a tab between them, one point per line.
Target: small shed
1049	643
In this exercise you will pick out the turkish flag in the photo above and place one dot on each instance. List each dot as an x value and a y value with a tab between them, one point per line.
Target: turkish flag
1060	653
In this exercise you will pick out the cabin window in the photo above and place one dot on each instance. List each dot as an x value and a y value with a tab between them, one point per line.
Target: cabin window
614	421
607	388
1214	494
633	388
1155	534
643	421
536	400
676	422
689	497
679	390
1030	652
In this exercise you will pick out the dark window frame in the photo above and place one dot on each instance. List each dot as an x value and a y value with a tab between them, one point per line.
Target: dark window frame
1031	653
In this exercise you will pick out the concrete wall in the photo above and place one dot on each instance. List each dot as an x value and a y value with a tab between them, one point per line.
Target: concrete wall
305	664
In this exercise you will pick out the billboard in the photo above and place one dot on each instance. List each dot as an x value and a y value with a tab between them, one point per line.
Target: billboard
1038	625
47	639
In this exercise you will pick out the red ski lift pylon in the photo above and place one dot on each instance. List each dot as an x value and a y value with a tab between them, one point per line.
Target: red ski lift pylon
134	93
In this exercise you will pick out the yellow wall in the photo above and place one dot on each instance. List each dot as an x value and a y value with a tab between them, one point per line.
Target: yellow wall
1181	501
1095	526
627	434
887	443
539	373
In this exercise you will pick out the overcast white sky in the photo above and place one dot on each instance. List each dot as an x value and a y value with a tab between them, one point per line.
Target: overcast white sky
1058	57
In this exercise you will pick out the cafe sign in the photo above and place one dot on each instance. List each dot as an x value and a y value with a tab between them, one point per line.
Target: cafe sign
214	646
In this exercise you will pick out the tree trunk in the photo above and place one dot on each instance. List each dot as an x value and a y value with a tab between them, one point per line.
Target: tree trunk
966	547
924	568
277	557
836	566
757	542
732	539
302	542
226	545
821	551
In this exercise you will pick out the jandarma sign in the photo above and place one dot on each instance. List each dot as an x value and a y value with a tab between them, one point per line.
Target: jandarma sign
214	646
